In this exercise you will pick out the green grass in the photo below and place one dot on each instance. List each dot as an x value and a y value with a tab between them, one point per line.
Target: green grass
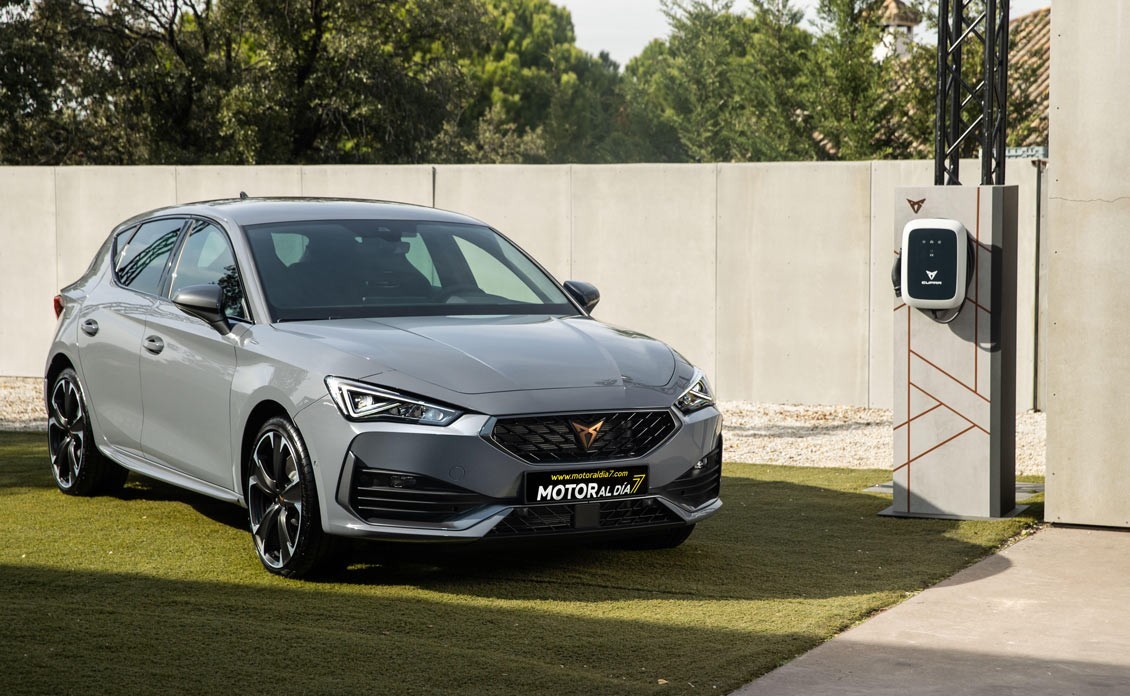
159	590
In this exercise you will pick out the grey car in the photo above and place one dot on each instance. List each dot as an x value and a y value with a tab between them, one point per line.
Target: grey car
372	370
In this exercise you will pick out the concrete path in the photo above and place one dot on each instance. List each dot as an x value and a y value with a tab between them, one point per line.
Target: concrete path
1049	615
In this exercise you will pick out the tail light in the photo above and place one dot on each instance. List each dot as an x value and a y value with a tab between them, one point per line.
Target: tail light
58	305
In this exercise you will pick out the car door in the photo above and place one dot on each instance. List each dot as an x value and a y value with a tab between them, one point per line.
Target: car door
187	366
112	324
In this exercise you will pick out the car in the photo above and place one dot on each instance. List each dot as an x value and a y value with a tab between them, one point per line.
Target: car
371	370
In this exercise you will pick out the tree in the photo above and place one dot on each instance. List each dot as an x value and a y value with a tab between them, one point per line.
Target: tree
536	96
701	81
53	82
781	50
846	85
238	81
909	104
646	130
730	87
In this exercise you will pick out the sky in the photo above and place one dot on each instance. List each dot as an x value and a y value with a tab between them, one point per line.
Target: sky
624	27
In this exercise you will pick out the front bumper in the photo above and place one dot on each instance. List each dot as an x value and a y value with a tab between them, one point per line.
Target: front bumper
396	481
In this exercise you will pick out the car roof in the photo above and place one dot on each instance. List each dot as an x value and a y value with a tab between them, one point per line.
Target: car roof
254	211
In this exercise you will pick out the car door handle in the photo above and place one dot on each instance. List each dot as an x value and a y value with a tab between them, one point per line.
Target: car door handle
90	327
154	345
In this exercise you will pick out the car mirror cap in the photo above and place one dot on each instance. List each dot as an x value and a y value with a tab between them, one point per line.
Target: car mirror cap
205	302
584	293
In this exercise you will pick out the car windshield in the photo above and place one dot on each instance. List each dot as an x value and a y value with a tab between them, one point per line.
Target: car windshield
330	269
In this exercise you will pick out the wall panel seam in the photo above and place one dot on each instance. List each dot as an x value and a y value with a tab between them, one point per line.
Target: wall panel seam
871	268
717	173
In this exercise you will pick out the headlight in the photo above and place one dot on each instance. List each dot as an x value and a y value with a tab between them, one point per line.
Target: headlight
358	401
697	396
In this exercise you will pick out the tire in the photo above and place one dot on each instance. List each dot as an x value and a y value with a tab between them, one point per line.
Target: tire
286	527
663	539
76	464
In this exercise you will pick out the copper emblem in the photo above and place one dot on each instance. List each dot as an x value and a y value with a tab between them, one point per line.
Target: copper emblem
587	434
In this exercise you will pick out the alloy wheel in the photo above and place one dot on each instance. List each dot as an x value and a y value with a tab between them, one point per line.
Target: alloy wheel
66	431
274	493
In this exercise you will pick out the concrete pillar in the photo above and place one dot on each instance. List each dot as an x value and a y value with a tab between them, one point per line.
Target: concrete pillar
955	383
1088	342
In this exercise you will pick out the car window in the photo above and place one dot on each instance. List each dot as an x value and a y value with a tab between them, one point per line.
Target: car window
207	259
419	256
492	276
141	262
322	269
121	241
289	247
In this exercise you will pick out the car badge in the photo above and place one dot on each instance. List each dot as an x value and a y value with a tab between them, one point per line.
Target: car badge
587	434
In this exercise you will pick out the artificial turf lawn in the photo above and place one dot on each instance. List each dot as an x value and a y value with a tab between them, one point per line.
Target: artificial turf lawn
160	590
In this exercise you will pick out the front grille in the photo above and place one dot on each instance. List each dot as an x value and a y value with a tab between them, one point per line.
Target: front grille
539	520
383	495
699	486
554	439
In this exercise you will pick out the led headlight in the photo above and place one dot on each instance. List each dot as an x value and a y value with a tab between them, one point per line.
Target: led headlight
697	396
363	402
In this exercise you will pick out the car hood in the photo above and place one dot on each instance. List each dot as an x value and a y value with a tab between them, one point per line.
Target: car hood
484	354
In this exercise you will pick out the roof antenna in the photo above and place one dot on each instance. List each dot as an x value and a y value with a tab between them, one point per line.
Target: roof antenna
243	195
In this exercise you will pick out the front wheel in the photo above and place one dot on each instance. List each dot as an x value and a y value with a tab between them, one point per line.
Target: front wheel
77	465
282	502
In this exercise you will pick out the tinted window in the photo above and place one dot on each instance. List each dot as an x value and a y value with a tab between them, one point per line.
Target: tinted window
207	259
492	275
370	268
142	260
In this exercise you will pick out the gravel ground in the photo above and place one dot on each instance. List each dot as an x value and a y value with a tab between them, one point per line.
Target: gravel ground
21	404
848	436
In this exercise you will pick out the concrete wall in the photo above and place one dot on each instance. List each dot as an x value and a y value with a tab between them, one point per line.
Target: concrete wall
794	260
774	278
1089	256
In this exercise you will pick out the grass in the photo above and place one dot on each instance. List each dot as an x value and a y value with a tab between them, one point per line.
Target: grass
159	590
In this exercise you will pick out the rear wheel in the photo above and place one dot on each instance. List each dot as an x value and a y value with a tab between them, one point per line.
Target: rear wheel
77	465
663	539
282	502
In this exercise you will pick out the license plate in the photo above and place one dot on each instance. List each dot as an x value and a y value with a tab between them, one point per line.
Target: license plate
573	486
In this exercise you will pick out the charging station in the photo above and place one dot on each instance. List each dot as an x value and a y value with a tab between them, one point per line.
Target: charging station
934	262
955	352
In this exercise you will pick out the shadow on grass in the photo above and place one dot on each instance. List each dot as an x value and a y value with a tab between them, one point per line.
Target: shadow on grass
24	464
142	488
159	588
772	540
66	630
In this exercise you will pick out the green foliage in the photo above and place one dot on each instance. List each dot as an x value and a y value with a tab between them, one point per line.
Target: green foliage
495	81
701	82
734	87
847	84
53	79
537	97
781	49
240	81
908	103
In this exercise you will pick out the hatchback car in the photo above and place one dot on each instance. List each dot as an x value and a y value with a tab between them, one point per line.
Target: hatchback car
371	370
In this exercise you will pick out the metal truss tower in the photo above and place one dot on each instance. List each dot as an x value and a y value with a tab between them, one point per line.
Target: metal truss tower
971	112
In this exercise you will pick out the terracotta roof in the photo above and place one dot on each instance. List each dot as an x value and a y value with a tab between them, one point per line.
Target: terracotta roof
1029	76
896	13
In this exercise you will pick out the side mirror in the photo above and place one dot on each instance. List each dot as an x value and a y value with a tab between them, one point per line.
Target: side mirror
584	293
204	302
